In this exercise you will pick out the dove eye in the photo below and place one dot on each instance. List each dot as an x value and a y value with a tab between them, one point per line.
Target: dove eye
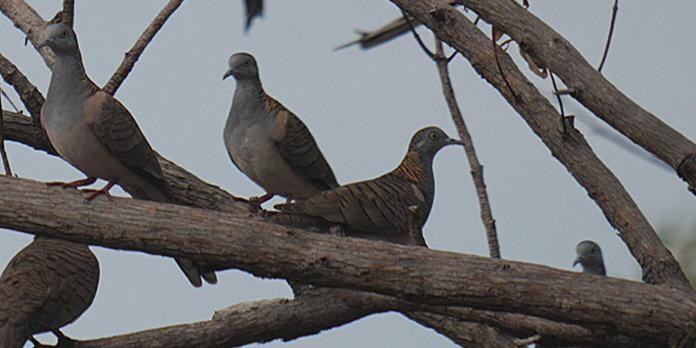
64	34
433	136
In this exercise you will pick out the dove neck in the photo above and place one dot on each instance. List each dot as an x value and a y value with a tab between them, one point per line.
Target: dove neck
248	91
68	78
418	170
594	267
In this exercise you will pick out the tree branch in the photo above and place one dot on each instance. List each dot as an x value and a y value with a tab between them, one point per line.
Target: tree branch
29	22
3	153
134	53
68	15
28	93
589	86
413	274
571	149
474	164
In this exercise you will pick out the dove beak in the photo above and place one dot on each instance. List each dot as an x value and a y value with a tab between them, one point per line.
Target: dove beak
451	141
577	261
228	73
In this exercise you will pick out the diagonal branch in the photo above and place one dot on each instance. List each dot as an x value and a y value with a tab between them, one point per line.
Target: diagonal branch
3	153
474	163
29	22
28	93
68	15
571	149
442	278
134	53
588	85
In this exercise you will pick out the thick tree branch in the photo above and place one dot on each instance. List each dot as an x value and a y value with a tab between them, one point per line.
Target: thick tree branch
414	274
571	149
29	22
134	53
588	85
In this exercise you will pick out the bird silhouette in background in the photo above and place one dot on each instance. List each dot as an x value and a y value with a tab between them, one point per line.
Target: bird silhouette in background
253	9
382	208
268	143
96	134
46	286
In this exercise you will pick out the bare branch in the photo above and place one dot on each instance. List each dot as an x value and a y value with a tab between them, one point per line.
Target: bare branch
29	22
134	53
426	277
591	88
68	14
28	93
614	11
465	334
3	153
474	163
571	149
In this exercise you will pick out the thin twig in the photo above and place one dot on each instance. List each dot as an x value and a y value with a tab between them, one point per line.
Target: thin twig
560	103
7	97
500	67
474	164
134	53
68	12
422	45
3	153
614	11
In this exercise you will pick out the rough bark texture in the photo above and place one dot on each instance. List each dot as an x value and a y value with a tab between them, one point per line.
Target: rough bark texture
571	149
588	85
654	314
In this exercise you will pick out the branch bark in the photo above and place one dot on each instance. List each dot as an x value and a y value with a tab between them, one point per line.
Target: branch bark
474	164
29	22
28	93
68	12
588	85
413	274
134	53
3	153
571	149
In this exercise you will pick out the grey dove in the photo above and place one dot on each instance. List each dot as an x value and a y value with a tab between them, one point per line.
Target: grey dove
46	286
268	143
380	208
96	134
589	256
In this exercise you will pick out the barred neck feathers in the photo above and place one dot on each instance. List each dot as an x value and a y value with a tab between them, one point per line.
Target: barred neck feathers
412	169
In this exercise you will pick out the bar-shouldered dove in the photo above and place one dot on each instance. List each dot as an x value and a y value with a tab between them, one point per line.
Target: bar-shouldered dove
589	256
268	143
381	208
46	286
96	134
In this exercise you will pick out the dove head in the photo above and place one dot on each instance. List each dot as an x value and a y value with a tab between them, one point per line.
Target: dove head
61	39
589	256
242	66
428	141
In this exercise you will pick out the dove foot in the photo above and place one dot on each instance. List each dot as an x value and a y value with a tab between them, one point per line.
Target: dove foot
73	184
255	202
102	191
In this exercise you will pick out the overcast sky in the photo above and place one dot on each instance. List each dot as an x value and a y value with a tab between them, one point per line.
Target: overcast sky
363	107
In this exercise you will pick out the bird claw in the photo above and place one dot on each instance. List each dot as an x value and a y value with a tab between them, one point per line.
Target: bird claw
72	184
102	191
255	202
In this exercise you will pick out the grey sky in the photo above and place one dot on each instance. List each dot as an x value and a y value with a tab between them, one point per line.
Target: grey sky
362	108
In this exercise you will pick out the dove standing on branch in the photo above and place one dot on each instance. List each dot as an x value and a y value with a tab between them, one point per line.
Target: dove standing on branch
46	286
95	133
268	143
382	208
589	256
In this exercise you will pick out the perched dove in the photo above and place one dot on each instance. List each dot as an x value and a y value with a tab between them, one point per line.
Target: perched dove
589	256
95	133
381	208
269	143
46	286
